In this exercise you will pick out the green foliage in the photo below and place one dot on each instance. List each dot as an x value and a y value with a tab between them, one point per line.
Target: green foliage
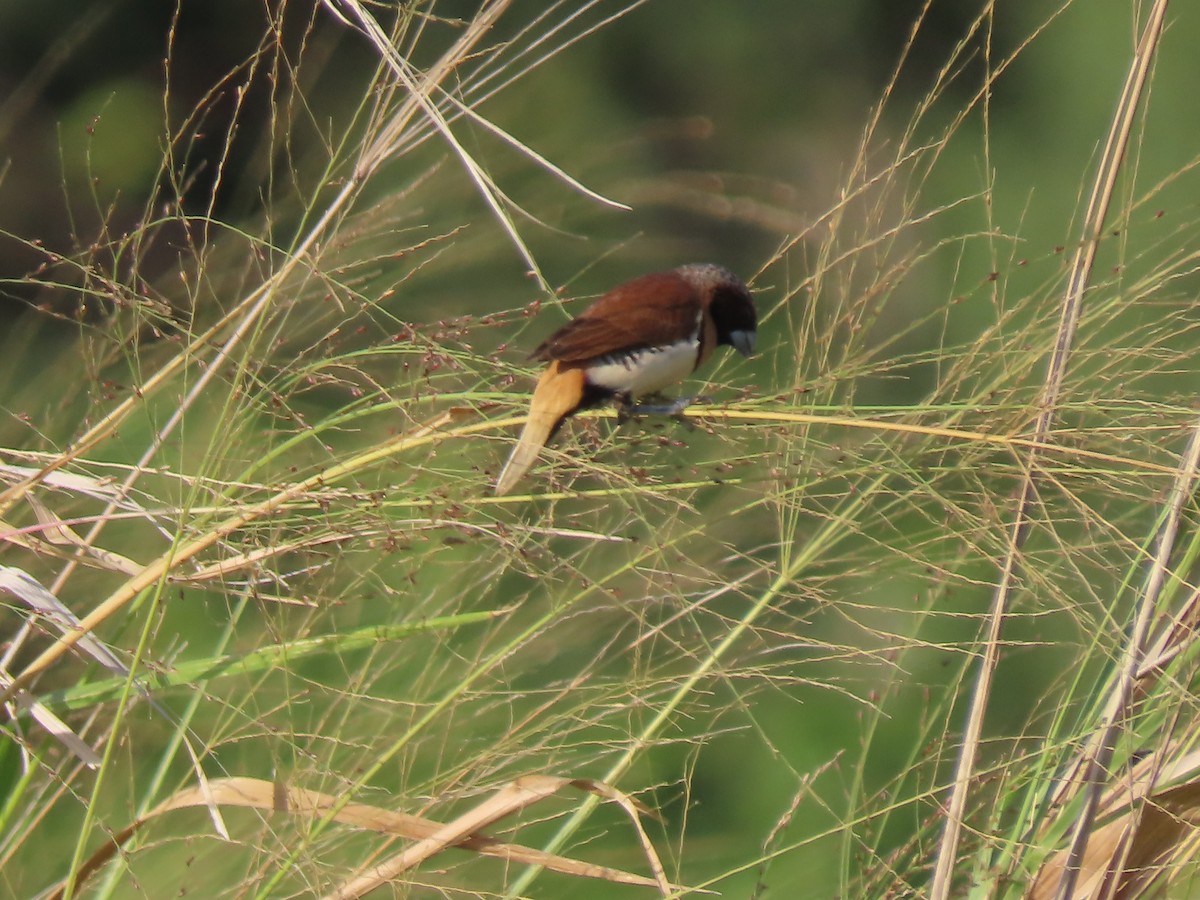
254	411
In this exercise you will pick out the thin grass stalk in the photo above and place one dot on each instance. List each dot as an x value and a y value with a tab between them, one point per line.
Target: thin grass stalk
453	694
488	190
253	306
436	430
833	531
1079	277
180	552
375	154
1120	709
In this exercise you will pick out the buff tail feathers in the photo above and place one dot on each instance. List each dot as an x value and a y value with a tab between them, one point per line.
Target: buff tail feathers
557	395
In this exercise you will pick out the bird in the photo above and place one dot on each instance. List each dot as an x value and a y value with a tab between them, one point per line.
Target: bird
640	337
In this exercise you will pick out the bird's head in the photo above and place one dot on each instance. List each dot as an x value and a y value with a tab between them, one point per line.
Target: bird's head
729	303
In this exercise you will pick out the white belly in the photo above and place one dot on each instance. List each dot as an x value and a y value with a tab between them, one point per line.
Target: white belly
645	371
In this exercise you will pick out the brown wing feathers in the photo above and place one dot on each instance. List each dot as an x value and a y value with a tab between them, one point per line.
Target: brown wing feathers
625	319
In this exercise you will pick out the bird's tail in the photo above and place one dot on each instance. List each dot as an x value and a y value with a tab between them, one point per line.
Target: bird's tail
557	395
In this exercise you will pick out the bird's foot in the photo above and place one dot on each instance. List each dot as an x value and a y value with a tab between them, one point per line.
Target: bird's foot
665	408
626	410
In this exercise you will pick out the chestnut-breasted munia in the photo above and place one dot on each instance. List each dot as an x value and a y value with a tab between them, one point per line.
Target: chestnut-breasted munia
639	338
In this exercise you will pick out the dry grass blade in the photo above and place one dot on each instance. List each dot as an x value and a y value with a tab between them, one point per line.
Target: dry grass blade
27	589
1032	444
420	93
33	594
1121	699
1078	279
512	798
247	312
1147	833
85	485
1175	637
53	532
433	837
54	726
56	531
158	568
251	558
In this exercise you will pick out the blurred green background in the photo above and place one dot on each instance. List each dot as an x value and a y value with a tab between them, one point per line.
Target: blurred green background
768	99
729	128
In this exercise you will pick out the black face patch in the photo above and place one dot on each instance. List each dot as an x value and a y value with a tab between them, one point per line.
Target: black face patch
732	310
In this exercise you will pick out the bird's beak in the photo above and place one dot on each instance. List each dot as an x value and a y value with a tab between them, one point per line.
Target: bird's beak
742	341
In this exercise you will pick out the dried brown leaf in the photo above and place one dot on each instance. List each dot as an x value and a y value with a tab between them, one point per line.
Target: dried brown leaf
432	837
1146	839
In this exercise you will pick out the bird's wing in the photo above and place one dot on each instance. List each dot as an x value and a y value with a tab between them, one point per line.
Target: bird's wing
652	311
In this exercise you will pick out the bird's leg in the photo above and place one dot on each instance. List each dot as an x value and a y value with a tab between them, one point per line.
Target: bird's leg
625	409
665	407
672	408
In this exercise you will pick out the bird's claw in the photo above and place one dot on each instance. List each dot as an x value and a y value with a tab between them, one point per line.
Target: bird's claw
667	408
672	408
